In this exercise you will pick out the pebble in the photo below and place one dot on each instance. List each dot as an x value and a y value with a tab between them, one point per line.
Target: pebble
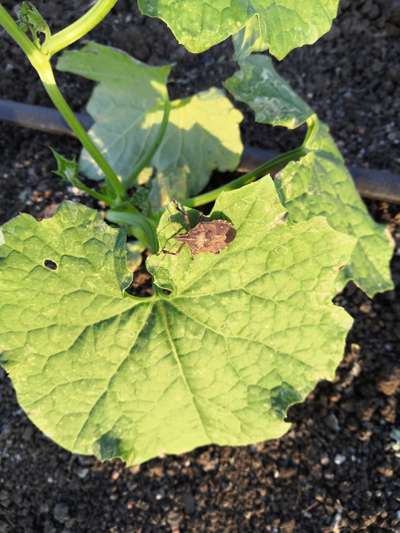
189	503
160	495
4	498
61	512
332	422
366	307
174	520
82	472
339	459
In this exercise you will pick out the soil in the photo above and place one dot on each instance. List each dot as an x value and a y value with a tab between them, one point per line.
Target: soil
337	469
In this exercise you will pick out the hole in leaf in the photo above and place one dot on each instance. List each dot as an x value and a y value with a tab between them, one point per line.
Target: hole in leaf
142	281
142	284
50	265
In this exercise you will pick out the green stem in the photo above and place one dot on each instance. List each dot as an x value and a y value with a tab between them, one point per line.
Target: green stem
146	159
79	28
255	174
91	192
41	63
143	228
60	103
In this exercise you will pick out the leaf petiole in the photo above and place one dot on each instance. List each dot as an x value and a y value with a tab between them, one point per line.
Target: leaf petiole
274	164
79	28
146	159
143	228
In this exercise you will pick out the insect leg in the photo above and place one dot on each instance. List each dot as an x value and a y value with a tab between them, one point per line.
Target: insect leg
183	213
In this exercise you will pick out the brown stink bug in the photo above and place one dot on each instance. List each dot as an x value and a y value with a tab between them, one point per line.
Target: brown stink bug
207	235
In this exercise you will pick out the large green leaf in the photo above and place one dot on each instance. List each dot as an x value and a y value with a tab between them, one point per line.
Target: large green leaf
279	25
320	185
242	335
127	105
273	101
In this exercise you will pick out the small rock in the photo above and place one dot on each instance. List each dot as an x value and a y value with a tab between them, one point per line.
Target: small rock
4	498
189	503
82	472
27	434
288	527
366	308
339	459
385	471
174	520
160	494
61	512
390	385
332	422
44	508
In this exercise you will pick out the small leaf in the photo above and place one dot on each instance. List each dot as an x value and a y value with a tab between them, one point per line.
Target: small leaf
320	184
203	132
273	101
243	335
31	21
280	25
67	169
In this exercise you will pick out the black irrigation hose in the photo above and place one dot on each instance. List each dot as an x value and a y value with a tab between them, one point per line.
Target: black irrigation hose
372	184
38	117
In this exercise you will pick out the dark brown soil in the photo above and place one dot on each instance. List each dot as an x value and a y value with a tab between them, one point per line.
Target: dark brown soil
336	470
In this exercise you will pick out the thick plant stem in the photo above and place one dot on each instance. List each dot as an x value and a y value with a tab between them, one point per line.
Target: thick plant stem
41	63
60	103
146	159
259	172
79	28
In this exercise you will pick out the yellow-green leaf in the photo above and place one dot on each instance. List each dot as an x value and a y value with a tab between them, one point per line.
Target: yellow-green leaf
279	25
242	335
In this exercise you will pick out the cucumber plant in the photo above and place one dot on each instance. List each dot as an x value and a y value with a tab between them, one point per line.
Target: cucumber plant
240	322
